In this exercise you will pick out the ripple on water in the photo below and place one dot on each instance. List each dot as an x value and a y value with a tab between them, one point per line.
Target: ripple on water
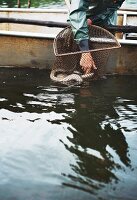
79	144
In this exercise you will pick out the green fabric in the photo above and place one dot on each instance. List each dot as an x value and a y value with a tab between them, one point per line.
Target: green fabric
101	12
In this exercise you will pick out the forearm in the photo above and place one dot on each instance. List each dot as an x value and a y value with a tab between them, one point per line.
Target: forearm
78	20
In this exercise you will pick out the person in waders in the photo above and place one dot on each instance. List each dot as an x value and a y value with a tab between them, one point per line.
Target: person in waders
87	12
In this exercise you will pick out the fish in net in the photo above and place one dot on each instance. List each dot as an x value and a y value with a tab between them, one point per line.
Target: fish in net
66	68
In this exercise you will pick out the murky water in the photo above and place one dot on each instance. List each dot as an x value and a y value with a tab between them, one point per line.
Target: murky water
51	4
76	145
34	4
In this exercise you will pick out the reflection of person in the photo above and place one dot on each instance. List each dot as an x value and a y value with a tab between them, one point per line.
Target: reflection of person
97	147
86	12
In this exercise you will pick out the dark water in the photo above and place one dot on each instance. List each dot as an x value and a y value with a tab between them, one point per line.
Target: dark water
34	3
76	145
50	3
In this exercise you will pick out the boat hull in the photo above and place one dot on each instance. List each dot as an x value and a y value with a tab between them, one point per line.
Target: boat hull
38	53
26	52
123	60
32	46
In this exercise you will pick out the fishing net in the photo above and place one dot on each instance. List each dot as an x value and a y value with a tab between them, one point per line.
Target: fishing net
68	54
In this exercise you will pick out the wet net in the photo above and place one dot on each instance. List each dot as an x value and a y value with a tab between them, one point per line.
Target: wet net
68	54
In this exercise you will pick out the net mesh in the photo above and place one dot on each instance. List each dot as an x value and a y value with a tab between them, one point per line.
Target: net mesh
68	54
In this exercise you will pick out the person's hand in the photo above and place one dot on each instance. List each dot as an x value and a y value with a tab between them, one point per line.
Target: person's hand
87	63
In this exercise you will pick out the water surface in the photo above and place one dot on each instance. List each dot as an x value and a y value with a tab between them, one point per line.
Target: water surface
51	4
34	3
78	144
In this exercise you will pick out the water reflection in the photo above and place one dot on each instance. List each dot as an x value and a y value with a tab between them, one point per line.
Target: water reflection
34	3
80	144
94	145
51	4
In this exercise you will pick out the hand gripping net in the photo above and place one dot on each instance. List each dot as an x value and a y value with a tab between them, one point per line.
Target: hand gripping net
67	64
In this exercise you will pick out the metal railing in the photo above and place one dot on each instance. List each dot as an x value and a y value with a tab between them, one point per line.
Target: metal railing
19	3
128	19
